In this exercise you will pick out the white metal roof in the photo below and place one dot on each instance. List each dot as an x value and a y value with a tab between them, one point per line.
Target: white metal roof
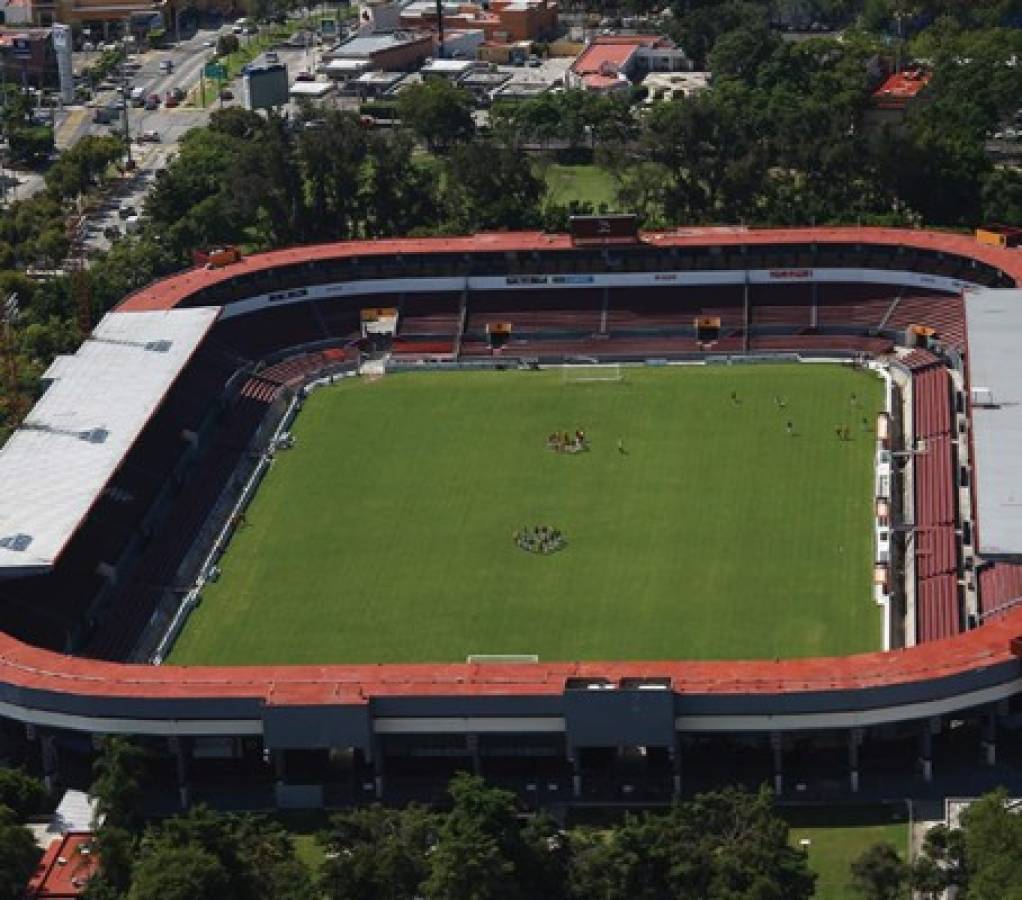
994	320
312	89
54	468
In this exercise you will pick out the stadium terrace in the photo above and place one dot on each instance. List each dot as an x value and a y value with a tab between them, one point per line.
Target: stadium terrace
121	491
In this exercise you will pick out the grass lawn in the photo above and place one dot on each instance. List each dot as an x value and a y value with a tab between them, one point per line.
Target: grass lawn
386	533
581	183
838	836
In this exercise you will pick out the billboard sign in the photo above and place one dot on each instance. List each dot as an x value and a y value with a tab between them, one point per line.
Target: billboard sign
215	71
328	27
265	87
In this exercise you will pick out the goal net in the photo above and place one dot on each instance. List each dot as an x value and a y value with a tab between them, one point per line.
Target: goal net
583	373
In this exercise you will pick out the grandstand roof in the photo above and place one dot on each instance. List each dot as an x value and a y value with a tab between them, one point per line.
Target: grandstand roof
176	289
55	467
995	369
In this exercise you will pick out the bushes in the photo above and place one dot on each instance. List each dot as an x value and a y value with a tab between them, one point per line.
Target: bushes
31	145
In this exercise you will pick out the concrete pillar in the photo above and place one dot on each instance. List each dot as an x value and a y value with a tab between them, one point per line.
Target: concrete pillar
926	752
989	742
50	762
576	773
675	753
854	741
472	745
279	764
180	748
377	758
777	743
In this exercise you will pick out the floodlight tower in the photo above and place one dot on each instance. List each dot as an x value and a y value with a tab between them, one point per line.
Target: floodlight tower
9	356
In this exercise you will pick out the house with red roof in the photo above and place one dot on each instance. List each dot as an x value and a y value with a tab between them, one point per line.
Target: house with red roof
612	62
891	101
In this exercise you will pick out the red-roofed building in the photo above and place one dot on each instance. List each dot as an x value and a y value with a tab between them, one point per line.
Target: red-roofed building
503	21
891	101
611	62
65	869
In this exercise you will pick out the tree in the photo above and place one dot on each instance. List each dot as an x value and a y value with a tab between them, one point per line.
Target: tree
721	845
879	873
255	855
18	856
377	853
486	186
23	794
438	113
179	873
116	783
31	145
483	851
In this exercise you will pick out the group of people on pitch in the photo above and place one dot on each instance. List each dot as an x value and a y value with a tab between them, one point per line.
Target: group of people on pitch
540	539
565	442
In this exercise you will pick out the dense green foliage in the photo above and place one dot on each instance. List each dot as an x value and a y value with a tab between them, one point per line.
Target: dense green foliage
21	793
18	856
424	570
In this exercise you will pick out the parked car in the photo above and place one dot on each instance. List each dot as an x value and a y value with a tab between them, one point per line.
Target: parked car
178	93
166	65
126	211
272	57
170	101
226	94
149	137
152	102
305	76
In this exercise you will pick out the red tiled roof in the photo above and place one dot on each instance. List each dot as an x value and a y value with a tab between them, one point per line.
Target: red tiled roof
172	290
597	58
65	869
901	87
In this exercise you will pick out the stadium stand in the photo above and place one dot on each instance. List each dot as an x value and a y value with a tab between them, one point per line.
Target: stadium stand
938	605
1000	587
862	305
941	311
674	307
786	305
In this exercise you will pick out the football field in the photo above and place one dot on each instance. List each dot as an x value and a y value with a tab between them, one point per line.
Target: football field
696	525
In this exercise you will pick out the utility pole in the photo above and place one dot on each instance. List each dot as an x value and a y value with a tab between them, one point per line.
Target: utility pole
440	28
126	97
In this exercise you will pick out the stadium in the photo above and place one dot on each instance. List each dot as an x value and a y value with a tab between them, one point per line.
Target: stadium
602	515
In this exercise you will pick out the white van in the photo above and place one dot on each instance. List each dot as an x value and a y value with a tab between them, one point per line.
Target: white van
138	96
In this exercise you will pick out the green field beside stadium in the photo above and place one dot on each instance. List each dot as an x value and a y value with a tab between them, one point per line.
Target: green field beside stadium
386	533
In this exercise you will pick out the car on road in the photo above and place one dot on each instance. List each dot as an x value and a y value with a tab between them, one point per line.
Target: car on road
305	76
272	57
126	211
166	65
209	44
152	102
226	94
149	137
177	93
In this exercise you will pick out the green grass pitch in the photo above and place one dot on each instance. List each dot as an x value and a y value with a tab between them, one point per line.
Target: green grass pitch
385	535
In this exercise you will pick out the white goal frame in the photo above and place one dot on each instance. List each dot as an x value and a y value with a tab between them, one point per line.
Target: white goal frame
584	373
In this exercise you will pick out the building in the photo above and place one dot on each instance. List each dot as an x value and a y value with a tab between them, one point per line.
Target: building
453	70
891	101
371	85
614	62
65	868
671	85
15	12
504	21
27	56
392	51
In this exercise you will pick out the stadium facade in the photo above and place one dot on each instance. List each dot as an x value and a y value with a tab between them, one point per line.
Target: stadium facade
120	480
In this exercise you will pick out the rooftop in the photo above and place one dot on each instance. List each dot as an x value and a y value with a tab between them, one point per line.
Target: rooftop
901	87
995	371
65	868
366	45
56	465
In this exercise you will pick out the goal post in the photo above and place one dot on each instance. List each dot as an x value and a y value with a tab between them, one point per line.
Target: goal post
585	373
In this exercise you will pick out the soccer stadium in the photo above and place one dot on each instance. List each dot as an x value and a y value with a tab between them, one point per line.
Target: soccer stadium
602	515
